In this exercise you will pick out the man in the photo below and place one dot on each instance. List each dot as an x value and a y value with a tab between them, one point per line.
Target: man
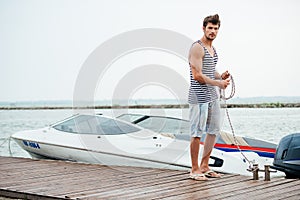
204	99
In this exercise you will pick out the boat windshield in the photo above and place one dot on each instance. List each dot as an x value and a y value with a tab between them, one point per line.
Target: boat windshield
159	124
94	124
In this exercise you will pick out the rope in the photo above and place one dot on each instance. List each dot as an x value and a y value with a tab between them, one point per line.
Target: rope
9	145
9	148
4	141
224	98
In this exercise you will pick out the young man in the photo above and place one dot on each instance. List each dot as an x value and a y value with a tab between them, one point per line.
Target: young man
203	97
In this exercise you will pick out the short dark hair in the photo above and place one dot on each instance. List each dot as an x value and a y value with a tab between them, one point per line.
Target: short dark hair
214	19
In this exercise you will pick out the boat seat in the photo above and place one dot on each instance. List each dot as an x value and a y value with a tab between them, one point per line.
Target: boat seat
229	139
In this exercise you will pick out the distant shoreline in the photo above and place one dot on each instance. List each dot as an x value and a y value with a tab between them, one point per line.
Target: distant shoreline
166	106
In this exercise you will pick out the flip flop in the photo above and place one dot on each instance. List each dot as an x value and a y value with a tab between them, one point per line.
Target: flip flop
212	174
198	177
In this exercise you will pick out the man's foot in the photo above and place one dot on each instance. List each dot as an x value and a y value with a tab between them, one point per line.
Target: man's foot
212	174
198	177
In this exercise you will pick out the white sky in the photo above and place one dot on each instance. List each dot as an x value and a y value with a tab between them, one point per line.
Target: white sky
43	44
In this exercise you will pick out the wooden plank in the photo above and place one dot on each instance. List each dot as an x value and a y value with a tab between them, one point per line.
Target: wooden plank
34	186
122	189
288	193
133	182
156	188
58	178
31	176
80	181
191	186
252	186
253	191
45	169
275	192
7	160
293	197
40	179
217	190
21	195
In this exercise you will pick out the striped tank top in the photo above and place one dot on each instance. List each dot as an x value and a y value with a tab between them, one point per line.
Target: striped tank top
204	93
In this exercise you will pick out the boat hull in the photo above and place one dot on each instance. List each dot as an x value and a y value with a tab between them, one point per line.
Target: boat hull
157	151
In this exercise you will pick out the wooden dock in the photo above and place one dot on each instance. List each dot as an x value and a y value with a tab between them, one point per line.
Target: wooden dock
44	179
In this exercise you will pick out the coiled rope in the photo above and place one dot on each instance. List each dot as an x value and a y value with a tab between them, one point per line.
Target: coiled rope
224	98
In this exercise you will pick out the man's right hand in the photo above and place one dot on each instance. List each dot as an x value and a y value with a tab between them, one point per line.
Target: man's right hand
224	83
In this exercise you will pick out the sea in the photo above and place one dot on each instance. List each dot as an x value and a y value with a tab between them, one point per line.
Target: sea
269	124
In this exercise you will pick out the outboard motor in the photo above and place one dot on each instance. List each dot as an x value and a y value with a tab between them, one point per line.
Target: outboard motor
287	157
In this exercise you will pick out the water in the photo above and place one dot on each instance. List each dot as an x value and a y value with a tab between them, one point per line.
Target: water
269	124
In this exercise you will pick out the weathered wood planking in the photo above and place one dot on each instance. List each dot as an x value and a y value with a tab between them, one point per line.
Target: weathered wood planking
46	179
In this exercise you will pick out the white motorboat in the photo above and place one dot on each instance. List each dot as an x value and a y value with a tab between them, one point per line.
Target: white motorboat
139	140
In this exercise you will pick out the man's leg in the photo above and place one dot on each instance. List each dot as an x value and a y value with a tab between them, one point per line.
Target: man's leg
196	132
196	173
194	150
213	129
208	146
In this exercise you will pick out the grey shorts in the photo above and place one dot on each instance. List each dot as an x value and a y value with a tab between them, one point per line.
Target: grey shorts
205	118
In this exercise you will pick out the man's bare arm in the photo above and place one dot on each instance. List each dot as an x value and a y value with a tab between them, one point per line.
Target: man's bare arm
196	58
